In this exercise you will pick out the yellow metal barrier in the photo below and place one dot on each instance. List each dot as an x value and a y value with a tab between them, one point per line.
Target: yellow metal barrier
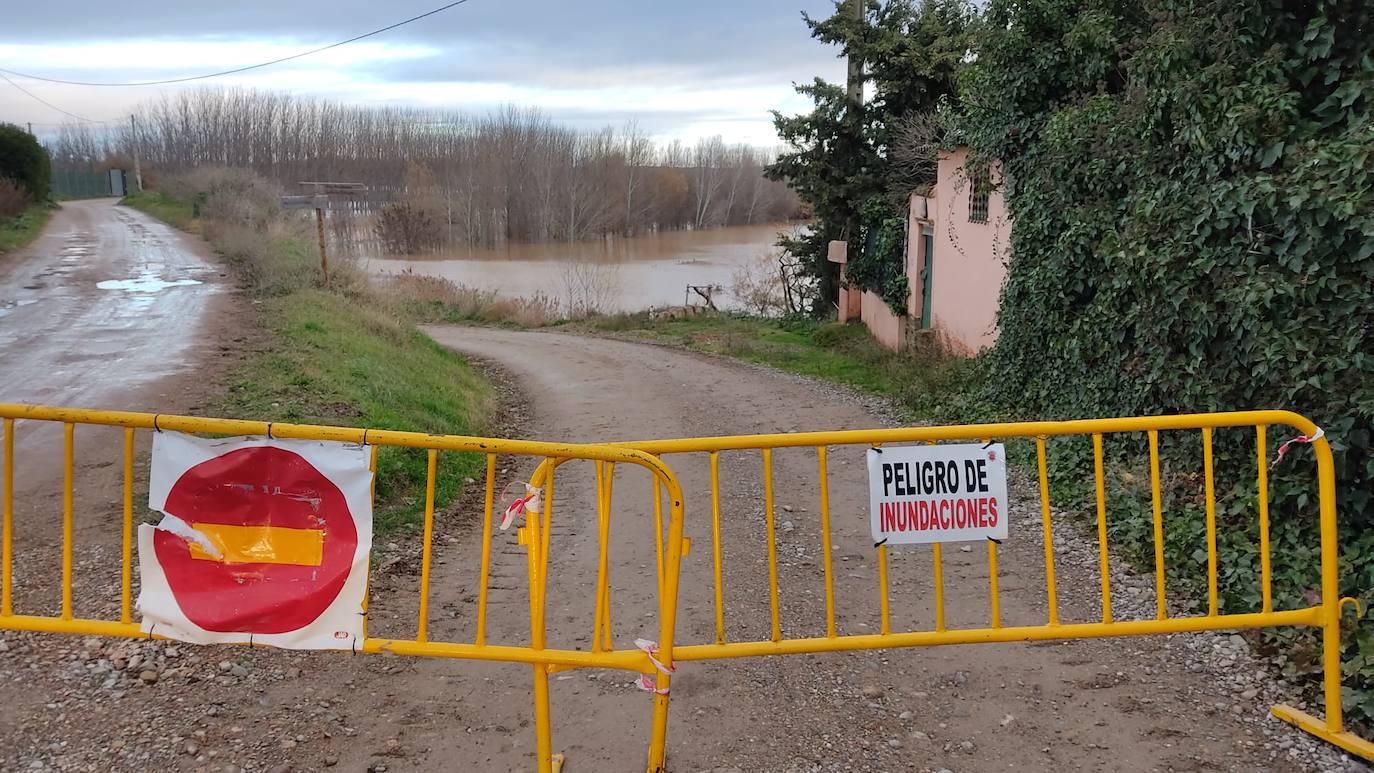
1324	615
671	547
534	535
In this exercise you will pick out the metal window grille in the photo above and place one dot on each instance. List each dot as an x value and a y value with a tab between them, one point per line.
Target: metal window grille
979	188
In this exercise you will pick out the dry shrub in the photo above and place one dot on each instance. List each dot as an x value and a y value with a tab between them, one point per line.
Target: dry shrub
757	285
225	197
589	287
408	227
14	198
437	299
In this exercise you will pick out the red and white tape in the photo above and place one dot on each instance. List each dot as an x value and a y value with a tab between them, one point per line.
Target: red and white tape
1283	449
531	502
646	683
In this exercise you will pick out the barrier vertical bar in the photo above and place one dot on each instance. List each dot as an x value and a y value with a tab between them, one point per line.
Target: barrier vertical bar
1161	607
658	532
1102	560
606	589
485	572
7	540
126	563
995	603
536	544
372	499
667	624
1051	591
543	545
824	475
1211	522
605	472
772	541
884	606
423	628
715	546
1266	588
1331	598
994	598
68	450
936	559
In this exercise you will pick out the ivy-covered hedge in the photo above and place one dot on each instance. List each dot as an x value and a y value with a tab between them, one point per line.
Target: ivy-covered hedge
1193	230
880	265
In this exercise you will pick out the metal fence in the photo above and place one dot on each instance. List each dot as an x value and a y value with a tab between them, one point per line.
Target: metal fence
672	545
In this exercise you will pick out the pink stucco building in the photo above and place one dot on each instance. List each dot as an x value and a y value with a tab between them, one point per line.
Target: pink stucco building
957	240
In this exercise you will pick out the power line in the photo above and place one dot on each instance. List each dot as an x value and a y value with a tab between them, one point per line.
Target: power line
240	69
46	102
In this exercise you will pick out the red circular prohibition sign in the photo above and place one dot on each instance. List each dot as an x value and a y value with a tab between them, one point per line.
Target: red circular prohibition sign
259	486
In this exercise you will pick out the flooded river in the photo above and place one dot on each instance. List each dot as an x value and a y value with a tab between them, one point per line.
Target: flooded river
633	273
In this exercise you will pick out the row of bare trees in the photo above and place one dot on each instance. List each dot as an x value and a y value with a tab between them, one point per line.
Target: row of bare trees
510	175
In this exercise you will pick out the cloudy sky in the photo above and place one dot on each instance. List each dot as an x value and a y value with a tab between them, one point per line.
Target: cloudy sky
682	69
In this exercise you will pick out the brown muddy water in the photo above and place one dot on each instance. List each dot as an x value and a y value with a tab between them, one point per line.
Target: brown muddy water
630	274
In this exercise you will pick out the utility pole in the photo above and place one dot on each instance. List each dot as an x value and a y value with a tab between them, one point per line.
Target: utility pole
855	82
854	104
30	128
133	141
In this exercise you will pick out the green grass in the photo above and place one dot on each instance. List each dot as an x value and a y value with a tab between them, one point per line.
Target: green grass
332	361
926	384
164	208
19	231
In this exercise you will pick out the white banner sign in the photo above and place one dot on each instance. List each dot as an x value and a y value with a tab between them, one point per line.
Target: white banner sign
951	493
263	541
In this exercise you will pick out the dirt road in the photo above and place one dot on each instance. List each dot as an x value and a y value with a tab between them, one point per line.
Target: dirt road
1188	703
105	303
108	308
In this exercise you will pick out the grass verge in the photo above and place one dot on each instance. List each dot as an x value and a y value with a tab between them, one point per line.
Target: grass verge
338	356
19	231
164	208
926	384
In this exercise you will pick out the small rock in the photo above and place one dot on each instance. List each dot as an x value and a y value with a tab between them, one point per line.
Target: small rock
238	670
148	677
787	508
377	767
965	548
331	761
872	691
225	665
894	743
1249	694
904	715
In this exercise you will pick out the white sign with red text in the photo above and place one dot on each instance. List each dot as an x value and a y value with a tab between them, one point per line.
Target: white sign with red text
941	493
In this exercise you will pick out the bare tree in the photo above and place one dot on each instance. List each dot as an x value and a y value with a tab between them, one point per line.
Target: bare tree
512	174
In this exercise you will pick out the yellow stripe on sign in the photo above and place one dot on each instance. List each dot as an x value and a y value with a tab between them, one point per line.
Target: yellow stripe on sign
260	544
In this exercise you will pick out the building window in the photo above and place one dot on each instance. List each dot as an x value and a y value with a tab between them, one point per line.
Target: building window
980	185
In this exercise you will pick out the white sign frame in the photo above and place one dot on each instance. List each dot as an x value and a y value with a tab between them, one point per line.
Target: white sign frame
346	465
938	493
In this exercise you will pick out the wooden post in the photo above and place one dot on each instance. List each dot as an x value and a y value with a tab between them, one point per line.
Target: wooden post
324	257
